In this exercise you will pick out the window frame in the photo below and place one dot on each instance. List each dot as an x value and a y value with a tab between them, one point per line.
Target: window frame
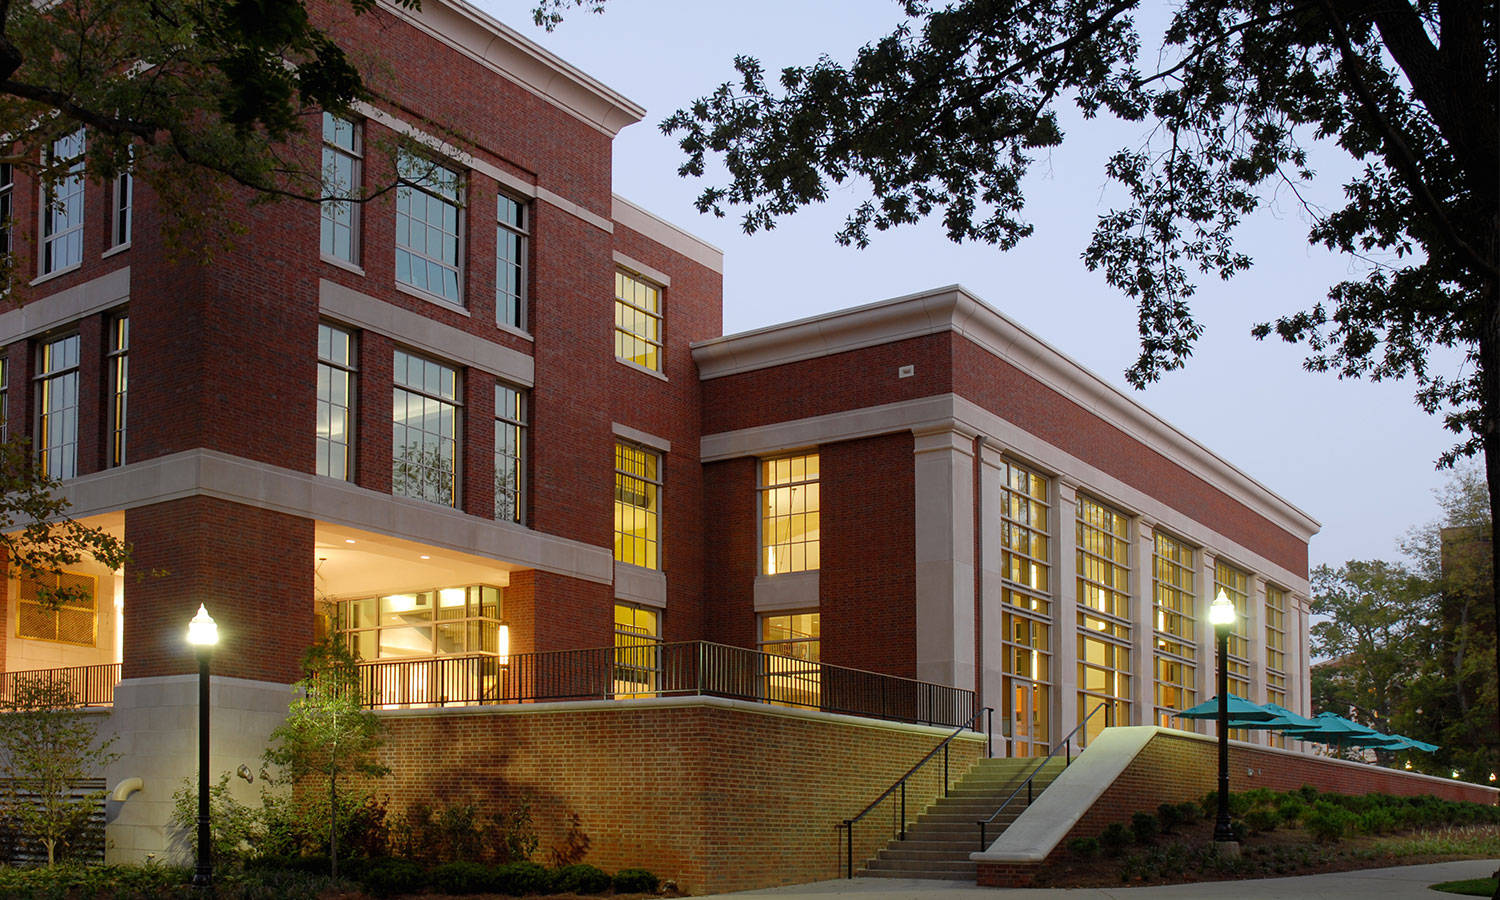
117	371
517	420
349	370
409	180
121	210
67	191
56	614
522	234
624	334
1111	628
328	210
1169	647
652	512
44	379
767	491
455	403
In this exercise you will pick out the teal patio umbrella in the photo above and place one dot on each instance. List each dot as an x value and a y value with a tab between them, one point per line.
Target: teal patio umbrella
1331	728
1407	743
1240	710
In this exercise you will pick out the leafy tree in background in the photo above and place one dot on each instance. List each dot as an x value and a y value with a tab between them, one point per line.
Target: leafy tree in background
944	116
1375	618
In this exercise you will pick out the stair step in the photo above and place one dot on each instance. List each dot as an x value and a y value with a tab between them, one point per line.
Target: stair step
927	865
920	875
948	854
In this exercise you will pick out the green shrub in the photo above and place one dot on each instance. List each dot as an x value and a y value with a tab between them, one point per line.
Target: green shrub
636	881
1114	838
1326	822
1144	827
384	877
581	878
1084	847
1170	816
1190	812
521	878
461	877
1290	809
1260	796
1376	821
1262	819
1238	832
1308	793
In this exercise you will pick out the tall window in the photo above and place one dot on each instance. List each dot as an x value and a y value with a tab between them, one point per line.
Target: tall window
118	365
341	180
4	398
637	321
428	226
120	214
58	608
57	407
792	673
440	622
1104	668
1236	585
62	206
789	505
335	401
637	650
1173	597
425	439
510	443
7	205
1026	613
1276	652
637	504
510	262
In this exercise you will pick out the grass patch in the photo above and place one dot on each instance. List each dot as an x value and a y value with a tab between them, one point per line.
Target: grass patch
1473	887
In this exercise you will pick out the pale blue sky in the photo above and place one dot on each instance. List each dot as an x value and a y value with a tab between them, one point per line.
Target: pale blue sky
1356	456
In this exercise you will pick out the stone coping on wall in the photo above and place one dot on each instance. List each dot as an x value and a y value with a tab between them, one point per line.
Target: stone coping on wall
1043	825
693	702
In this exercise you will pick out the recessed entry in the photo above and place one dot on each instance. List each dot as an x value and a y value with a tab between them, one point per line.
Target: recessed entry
906	371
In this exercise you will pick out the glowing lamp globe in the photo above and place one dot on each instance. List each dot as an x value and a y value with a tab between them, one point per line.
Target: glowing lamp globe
202	630
1221	611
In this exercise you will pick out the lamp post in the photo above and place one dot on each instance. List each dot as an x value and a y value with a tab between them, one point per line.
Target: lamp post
203	634
1221	615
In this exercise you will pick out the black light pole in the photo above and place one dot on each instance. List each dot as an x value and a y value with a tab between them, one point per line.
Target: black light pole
203	634
1221	614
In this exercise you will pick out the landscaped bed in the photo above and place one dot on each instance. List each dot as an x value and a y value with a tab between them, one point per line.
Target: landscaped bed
1282	834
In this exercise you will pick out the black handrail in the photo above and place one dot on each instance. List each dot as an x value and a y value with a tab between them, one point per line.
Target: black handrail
848	824
1068	742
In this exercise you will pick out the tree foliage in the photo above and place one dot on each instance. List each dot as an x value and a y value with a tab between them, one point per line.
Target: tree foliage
48	748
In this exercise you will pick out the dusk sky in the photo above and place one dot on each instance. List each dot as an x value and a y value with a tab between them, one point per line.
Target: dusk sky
1358	457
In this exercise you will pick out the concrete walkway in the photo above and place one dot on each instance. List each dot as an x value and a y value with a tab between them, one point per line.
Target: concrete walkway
1359	884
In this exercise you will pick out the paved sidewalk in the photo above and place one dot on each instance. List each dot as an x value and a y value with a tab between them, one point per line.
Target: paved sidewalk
1359	884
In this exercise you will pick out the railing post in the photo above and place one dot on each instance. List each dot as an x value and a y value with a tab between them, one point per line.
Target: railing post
983	833
849	850
1028	792
903	810
1069	744
989	732
945	770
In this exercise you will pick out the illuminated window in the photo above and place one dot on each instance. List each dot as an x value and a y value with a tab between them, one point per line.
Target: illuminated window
510	262
792	675
57	406
637	504
1236	585
428	226
453	621
335	401
789	503
1025	588
1276	653
637	321
425	440
117	363
59	608
510	444
62	205
637	650
339	217
1104	665
1173	599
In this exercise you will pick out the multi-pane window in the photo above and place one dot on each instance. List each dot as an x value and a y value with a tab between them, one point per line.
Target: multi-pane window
62	205
789	504
4	398
637	650
7	205
637	505
341	181
57	407
1026	589
117	364
428	226
335	401
440	622
60	608
1236	585
1173	599
1276	651
120	209
510	262
793	635
425	439
1104	664
510	444
792	673
637	321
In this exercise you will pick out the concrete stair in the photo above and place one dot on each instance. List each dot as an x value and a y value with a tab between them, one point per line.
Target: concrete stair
939	841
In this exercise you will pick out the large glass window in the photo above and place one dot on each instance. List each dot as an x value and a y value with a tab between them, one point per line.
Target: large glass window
4	398
1275	653
428	226
510	262
341	181
118	366
120	209
1026	624
789	504
1236	586
792	675
637	505
449	621
425	438
1104	663
62	205
1173	599
335	401
57	407
60	608
637	320
637	650
510	444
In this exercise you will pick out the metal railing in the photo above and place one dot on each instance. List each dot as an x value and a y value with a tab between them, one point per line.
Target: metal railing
89	685
1065	742
687	668
846	843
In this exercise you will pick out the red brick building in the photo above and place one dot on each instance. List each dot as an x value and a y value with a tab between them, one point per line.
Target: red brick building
488	416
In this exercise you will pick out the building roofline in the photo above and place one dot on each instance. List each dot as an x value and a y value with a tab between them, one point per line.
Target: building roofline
671	236
954	308
481	37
